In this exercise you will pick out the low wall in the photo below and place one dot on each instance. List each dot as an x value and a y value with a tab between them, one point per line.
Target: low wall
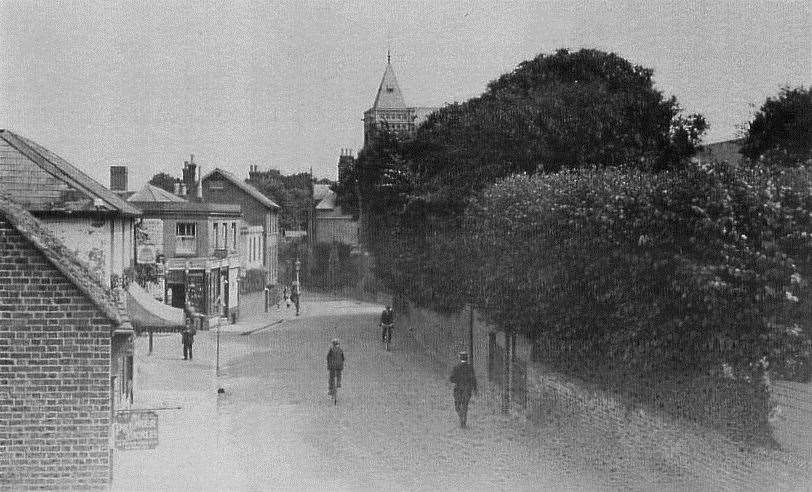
632	442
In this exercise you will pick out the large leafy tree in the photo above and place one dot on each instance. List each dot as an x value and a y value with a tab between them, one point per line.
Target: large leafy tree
566	110
164	181
290	192
782	128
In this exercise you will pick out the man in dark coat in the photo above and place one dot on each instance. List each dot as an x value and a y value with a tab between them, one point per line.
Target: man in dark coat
387	321
335	364
188	337
464	384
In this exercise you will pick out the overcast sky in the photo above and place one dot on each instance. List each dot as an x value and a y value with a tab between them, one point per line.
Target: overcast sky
284	85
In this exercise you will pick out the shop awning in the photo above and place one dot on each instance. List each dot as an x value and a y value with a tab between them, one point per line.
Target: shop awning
147	313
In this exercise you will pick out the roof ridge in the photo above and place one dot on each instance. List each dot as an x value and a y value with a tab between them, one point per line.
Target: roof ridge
247	187
67	171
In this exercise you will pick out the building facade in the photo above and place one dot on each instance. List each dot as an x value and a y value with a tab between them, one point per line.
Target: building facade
201	246
88	218
65	361
260	214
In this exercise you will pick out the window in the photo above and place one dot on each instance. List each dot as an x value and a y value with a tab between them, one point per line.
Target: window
234	235
186	238
216	236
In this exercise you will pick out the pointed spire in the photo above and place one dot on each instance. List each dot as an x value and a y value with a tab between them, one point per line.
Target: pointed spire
389	95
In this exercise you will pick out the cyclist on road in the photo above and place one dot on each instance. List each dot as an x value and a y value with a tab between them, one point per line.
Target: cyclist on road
335	364
387	322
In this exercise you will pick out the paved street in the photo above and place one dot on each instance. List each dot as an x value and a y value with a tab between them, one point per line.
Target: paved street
275	427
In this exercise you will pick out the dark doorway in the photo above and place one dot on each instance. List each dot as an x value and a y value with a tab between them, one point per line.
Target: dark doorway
178	292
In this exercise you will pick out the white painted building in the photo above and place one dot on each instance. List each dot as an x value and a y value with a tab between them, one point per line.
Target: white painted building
88	218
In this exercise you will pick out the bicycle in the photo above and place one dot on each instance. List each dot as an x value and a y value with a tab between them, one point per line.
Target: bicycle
334	392
387	334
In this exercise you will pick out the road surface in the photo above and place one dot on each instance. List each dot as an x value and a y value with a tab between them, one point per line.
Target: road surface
275	428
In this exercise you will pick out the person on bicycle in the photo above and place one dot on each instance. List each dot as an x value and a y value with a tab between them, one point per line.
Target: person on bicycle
464	384
387	322
335	364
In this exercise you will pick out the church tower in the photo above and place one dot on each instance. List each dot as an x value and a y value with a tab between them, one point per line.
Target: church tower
389	109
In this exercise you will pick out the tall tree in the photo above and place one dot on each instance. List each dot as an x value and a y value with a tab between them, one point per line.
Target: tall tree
561	111
782	128
164	181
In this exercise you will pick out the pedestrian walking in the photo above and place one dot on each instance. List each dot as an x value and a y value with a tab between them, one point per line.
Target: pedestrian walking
285	296
188	336
294	295
464	384
335	364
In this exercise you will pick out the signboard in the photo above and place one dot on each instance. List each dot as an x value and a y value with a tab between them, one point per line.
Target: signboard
137	429
146	254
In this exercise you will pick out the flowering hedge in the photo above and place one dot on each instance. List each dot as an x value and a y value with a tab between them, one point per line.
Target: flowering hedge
669	277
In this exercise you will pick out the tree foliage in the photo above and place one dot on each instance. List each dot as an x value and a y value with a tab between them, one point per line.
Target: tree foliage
782	129
566	110
684	269
291	192
164	181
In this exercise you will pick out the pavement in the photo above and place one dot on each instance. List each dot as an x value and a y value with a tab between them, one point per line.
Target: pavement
273	427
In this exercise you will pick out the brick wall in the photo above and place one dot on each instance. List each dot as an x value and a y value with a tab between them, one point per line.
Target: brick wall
621	441
54	375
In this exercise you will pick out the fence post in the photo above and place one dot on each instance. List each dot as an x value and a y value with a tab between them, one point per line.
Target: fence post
508	374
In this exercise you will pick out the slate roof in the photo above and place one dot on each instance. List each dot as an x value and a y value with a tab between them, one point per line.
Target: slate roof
389	94
328	201
253	192
65	261
66	172
152	193
320	190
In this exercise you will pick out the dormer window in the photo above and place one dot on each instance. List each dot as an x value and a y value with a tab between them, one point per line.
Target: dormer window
390	89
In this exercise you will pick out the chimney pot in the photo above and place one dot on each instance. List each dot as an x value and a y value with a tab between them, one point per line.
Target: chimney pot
118	178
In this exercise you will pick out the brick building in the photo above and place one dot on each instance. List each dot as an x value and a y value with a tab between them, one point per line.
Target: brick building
202	245
221	186
65	361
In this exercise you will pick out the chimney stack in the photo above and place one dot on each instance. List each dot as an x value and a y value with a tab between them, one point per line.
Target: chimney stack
177	188
118	178
199	183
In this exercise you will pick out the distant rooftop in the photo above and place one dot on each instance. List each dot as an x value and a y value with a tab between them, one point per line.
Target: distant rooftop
41	181
152	193
253	192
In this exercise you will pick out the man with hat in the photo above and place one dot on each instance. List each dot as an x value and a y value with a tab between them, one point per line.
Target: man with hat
464	384
335	364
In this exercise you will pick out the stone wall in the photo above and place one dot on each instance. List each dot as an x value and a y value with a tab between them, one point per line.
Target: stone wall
628	441
55	368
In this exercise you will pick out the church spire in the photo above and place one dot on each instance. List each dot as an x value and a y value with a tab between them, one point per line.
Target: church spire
389	95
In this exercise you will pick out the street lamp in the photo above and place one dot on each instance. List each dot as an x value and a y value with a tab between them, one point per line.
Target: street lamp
297	288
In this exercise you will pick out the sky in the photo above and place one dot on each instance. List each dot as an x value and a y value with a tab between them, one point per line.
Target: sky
284	84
